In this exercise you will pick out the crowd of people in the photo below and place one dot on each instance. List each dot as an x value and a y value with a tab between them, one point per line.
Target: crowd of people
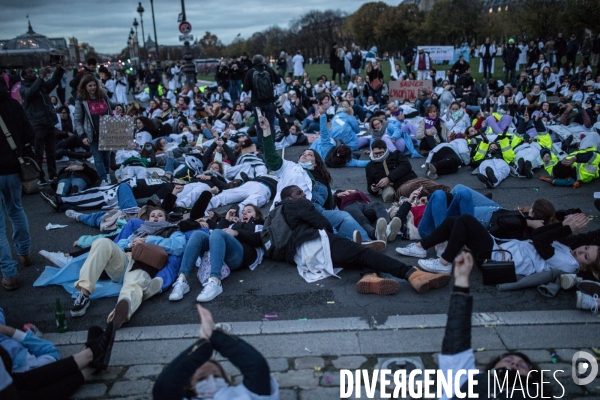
198	149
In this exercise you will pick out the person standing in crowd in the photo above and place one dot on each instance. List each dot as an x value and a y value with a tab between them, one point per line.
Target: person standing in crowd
595	57
408	54
237	76
549	51
572	49
175	81
422	64
487	52
332	60
35	93
153	79
260	81
121	87
92	103
560	46
91	67
14	118
298	65
510	56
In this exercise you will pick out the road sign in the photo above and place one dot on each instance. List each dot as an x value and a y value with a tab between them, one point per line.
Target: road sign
185	27
180	17
186	38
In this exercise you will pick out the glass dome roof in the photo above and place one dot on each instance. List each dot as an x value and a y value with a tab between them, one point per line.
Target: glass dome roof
28	41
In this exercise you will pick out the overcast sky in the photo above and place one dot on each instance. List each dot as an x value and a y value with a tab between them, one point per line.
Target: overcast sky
105	24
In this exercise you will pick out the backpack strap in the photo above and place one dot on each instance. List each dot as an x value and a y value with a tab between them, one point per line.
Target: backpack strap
385	167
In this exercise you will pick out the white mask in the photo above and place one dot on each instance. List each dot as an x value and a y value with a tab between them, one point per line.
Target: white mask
207	388
306	164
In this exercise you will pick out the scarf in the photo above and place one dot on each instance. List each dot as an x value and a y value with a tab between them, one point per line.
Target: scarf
430	123
150	228
382	158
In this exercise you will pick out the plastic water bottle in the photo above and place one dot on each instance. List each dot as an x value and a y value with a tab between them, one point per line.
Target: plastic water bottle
61	321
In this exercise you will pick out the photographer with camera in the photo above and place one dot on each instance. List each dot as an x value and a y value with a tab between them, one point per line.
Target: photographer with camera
35	93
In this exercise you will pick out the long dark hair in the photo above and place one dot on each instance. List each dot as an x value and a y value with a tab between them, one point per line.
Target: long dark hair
341	156
259	219
320	167
149	126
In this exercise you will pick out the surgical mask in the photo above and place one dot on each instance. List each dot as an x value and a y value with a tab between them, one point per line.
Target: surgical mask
308	86
456	114
207	388
306	164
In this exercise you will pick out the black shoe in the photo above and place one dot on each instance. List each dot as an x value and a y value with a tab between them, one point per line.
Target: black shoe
82	302
245	177
527	170
49	200
566	143
94	334
484	179
200	206
74	189
597	204
489	195
102	347
520	165
491	176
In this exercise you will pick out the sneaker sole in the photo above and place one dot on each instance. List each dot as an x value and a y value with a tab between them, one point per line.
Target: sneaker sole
436	283
589	287
400	251
153	288
186	291
393	230
380	230
121	313
375	245
48	257
484	179
81	312
49	202
565	282
381	287
489	172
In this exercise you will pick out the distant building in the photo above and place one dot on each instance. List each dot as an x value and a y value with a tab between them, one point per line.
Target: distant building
32	49
424	5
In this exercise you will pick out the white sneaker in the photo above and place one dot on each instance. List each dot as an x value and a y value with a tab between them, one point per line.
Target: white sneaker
180	287
104	183
57	258
393	228
412	250
380	230
435	266
210	291
440	248
73	214
587	302
569	281
154	287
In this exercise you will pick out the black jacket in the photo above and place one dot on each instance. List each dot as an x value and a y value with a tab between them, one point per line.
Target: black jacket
36	99
157	79
247	236
207	158
400	171
88	174
305	221
249	84
19	127
511	56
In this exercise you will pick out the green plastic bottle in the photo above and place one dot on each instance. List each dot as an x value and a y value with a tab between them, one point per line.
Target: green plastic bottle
61	321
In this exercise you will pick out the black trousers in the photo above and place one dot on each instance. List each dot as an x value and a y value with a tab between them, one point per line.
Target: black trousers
461	231
45	139
428	143
366	214
60	92
57	380
67	146
347	254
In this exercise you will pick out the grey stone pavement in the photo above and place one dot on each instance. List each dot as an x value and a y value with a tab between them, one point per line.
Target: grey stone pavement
320	327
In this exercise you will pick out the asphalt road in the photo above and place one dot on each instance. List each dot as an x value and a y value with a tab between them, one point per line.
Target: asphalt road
276	288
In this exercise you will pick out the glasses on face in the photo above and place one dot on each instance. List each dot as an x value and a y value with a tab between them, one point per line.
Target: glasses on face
378	153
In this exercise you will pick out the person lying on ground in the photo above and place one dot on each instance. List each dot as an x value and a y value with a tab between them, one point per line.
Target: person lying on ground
316	250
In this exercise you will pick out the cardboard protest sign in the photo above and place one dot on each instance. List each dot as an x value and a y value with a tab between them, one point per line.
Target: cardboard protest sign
439	53
400	90
116	133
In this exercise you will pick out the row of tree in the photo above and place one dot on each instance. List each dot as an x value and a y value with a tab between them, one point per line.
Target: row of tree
392	28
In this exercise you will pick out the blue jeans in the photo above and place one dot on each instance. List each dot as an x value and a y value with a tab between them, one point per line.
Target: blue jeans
92	219
101	160
376	94
125	197
10	197
342	222
437	211
484	207
235	88
65	185
310	126
172	164
224	248
195	247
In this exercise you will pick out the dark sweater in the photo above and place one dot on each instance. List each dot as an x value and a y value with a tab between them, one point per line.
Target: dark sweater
18	125
400	171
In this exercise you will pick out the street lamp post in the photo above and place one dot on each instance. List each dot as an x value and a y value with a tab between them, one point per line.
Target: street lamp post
188	66
141	10
156	54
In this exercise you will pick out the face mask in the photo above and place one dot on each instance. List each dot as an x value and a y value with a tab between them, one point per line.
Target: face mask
308	86
207	388
456	114
306	164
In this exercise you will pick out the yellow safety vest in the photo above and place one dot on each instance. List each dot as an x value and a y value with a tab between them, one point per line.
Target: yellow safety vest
589	170
545	140
550	166
482	150
508	154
